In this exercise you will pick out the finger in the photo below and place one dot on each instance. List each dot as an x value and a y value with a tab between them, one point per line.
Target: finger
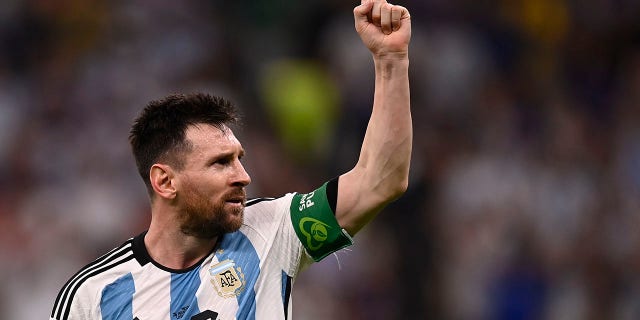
385	18
396	15
375	12
364	9
361	13
404	13
369	18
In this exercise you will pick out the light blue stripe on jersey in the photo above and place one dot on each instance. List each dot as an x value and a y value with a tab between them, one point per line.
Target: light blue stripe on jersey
116	302
184	303
237	247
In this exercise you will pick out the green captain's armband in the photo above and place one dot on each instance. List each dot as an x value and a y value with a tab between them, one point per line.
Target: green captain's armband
316	225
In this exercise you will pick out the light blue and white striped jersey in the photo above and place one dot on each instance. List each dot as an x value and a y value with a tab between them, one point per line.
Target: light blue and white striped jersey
248	275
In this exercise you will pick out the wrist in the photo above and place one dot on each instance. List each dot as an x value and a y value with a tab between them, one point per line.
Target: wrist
391	56
391	64
391	67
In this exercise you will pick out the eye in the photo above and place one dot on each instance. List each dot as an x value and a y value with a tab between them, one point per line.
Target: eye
221	161
226	159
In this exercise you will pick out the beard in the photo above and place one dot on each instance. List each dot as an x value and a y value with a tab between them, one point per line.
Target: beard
205	218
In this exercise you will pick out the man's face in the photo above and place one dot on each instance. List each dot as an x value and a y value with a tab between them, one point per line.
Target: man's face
210	187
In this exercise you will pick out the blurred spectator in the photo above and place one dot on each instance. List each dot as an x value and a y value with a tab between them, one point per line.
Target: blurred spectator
525	183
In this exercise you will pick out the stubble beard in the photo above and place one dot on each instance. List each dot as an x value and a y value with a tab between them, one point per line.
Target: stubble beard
202	218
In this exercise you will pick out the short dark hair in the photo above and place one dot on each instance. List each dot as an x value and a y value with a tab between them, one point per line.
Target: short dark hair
158	134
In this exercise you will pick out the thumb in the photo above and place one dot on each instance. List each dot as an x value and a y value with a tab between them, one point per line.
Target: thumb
361	12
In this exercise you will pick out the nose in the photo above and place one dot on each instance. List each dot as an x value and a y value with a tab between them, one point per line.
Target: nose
240	177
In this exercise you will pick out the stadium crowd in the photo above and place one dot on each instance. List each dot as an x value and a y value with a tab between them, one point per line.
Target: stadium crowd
525	189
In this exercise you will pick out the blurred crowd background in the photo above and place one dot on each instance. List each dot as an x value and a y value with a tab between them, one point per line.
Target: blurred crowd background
524	201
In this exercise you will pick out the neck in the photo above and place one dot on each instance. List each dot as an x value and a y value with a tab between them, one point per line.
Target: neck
170	247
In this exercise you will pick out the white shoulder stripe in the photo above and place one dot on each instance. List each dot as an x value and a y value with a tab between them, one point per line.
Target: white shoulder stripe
113	258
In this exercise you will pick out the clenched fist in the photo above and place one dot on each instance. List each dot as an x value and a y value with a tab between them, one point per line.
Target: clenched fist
384	28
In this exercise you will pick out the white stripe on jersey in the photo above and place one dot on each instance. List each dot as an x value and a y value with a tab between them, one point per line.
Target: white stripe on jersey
113	258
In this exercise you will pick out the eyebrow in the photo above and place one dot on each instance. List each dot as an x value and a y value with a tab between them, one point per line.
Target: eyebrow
229	154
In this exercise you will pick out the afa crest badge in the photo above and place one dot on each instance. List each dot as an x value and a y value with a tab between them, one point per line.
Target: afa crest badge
227	278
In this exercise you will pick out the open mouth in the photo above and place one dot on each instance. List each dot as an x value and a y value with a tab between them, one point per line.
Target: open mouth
237	200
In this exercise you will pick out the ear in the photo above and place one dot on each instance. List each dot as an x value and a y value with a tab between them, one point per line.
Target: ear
161	177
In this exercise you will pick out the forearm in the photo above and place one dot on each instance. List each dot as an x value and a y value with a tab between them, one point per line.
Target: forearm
381	174
386	150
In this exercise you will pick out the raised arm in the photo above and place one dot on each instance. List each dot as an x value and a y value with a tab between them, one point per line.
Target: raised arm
382	172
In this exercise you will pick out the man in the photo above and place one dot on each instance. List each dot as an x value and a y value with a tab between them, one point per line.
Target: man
209	253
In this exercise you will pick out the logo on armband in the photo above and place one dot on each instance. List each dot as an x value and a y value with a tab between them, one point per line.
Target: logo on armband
315	224
315	231
227	278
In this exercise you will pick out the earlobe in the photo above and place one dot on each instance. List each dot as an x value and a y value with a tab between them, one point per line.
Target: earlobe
161	177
